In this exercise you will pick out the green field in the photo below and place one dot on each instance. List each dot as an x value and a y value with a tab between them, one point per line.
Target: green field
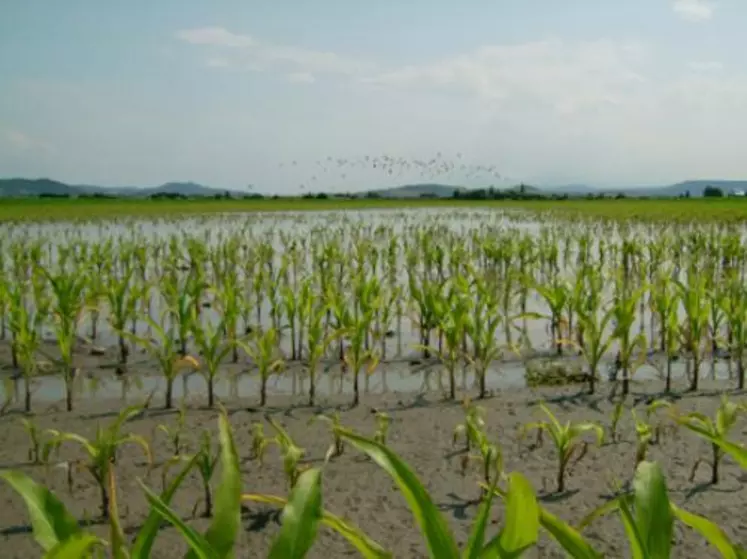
702	210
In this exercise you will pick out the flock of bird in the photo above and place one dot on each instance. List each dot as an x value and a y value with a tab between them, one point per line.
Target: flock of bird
454	170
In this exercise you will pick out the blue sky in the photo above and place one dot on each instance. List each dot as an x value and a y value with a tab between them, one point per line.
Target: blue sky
231	93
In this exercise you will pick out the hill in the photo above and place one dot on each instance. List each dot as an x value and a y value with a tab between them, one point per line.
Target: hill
417	191
37	187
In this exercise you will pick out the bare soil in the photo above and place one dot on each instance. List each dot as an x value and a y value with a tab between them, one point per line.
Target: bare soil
358	490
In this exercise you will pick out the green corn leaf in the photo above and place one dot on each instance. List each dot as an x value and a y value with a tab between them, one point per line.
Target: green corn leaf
654	517
477	536
78	546
146	536
226	523
438	538
368	548
711	532
300	518
521	528
567	537
199	546
50	520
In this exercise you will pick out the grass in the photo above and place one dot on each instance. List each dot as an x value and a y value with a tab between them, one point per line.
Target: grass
51	209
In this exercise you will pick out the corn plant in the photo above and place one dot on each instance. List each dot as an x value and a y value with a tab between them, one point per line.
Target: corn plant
292	453
102	450
473	425
260	442
566	440
220	537
644	434
206	460
164	349
624	312
175	433
648	517
719	427
383	421
696	305
337	448
523	515
26	339
616	416
264	352
317	343
35	442
214	349
68	289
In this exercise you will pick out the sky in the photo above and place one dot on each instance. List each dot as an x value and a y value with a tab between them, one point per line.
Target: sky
293	96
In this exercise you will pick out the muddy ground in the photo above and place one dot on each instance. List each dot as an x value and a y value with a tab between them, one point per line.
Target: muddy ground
355	488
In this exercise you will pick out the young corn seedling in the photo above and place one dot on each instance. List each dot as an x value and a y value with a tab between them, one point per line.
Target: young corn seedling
206	459
260	442
337	447
292	453
616	416
165	350
266	356
566	439
35	444
644	434
473	425
214	349
383	421
175	433
102	449
718	428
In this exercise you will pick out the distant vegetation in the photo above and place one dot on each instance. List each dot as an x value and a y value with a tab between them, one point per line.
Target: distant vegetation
47	188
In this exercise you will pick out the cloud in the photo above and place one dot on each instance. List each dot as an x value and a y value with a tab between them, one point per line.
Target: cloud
301	77
22	142
216	36
693	10
566	76
244	51
706	66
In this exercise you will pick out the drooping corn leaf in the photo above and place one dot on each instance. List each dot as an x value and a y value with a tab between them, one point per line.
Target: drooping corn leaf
198	545
636	542
438	537
355	537
78	546
565	535
50	520
521	526
224	528
711	532
146	536
653	514
477	535
301	516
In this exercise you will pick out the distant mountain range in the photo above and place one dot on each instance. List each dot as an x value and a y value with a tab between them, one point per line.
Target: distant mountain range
19	187
36	187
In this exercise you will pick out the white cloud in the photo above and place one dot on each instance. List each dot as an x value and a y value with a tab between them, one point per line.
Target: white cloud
693	10
301	77
216	36
18	141
566	76
243	51
706	66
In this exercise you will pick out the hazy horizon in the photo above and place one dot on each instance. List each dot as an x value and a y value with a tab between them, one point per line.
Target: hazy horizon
641	93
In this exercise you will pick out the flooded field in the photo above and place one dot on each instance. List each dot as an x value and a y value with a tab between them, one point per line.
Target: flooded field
424	327
394	300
